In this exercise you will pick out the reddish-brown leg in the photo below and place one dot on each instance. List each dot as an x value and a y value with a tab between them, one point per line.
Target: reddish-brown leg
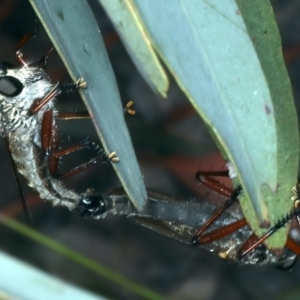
56	90
250	245
233	198
24	40
85	115
49	141
292	246
206	178
100	158
73	116
221	232
46	131
253	241
73	148
39	103
247	245
50	146
53	161
222	190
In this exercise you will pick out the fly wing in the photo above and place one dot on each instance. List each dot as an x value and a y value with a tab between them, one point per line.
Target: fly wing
17	180
179	232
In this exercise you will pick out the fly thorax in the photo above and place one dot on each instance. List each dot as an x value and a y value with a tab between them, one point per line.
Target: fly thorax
19	89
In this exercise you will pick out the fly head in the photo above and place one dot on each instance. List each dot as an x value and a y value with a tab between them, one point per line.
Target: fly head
10	85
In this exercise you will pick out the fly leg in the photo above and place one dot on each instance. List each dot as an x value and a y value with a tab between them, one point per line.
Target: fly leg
24	40
49	132
254	241
28	37
56	90
85	115
49	142
101	157
205	178
90	204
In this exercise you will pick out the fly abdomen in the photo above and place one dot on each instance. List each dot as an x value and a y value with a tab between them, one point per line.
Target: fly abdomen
158	207
33	166
28	123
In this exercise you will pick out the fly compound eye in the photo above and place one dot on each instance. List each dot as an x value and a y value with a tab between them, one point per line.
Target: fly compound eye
10	86
92	206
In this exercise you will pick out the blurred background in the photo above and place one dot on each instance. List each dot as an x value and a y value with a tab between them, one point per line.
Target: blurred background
171	144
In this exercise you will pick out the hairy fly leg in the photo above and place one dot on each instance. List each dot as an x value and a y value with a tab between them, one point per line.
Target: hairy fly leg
252	242
205	177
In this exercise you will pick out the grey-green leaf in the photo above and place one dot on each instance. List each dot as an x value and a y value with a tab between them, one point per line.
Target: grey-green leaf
129	26
215	50
74	32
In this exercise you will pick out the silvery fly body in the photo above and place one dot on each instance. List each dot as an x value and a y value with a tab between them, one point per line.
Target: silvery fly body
27	123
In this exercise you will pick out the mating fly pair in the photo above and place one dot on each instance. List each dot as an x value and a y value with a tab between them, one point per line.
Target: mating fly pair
28	126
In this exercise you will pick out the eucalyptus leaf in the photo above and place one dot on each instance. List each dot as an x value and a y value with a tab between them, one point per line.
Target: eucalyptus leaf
226	57
129	26
74	32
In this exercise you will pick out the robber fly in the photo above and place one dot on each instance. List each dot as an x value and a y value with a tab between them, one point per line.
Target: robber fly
28	126
181	220
222	230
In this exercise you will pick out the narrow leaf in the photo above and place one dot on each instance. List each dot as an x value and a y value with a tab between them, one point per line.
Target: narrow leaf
74	32
129	26
226	56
